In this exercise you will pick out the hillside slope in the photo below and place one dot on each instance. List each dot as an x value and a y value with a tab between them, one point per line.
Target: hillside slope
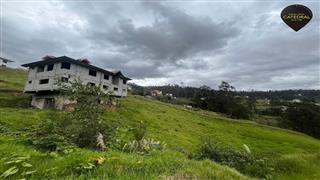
185	128
12	79
181	129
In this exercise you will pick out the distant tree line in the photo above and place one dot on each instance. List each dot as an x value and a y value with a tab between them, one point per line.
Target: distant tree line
304	95
188	92
303	116
224	100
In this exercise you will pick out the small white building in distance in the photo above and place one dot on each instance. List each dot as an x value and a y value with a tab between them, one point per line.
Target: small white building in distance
43	74
4	62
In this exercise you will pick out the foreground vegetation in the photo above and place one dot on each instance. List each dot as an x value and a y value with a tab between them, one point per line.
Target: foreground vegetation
200	144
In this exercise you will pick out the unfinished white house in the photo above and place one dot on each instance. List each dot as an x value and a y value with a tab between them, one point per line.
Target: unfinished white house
43	75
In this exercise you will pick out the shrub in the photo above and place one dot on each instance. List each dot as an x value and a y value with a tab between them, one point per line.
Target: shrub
85	125
219	153
245	162
47	135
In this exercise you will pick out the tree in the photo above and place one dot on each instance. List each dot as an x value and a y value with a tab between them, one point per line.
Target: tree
226	87
85	125
303	117
226	102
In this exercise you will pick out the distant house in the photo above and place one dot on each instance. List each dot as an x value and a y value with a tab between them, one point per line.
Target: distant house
295	101
156	93
42	77
4	61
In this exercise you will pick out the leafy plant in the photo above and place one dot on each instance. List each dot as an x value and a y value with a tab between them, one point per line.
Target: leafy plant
140	144
85	166
144	146
11	171
89	165
19	165
47	135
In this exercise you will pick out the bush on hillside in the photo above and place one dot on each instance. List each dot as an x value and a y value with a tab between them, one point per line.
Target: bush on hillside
246	162
47	135
57	134
84	127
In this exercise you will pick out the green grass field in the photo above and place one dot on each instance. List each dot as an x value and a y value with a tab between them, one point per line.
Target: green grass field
298	155
12	79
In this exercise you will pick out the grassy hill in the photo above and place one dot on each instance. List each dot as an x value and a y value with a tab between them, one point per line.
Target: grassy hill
12	79
297	155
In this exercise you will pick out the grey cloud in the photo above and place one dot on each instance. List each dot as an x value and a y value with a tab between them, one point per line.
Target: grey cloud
173	38
242	43
175	35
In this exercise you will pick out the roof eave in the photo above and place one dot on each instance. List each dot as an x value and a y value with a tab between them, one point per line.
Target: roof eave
119	73
73	61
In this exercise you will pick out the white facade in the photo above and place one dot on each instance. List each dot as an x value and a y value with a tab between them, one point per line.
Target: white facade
43	78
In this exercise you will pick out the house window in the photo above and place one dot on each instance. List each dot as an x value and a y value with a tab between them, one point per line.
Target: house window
44	81
115	89
30	82
91	84
105	87
40	69
65	65
124	90
50	67
64	79
106	76
115	81
92	73
124	81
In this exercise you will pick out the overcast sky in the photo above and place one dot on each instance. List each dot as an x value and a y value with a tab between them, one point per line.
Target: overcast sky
157	43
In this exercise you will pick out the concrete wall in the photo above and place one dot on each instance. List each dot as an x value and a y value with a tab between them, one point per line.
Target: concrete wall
75	71
37	102
122	88
40	101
